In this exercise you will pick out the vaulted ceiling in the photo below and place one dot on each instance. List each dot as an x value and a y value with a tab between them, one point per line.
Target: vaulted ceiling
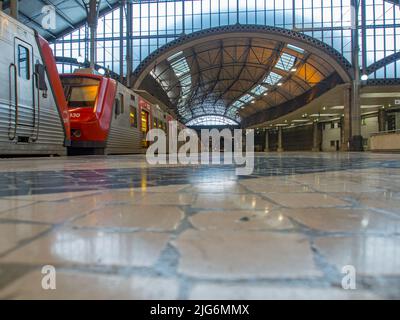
236	75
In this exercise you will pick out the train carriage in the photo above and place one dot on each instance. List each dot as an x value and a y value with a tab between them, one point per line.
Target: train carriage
107	117
34	118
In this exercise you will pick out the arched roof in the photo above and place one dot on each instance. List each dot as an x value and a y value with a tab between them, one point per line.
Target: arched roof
238	71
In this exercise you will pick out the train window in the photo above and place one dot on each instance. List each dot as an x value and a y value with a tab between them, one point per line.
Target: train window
145	121
133	117
122	101
117	107
81	92
23	62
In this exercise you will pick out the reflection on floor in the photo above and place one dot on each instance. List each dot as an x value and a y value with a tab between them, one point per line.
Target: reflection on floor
116	228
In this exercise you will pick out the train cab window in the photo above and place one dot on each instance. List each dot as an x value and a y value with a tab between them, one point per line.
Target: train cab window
133	117
81	92
23	63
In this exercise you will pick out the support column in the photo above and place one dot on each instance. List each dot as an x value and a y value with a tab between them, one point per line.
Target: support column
129	43
121	41
92	8
266	140
280	141
356	140
14	8
346	122
382	120
316	138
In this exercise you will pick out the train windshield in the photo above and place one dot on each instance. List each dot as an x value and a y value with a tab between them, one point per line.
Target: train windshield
81	92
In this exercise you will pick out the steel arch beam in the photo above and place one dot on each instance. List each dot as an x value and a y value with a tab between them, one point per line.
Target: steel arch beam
311	45
382	63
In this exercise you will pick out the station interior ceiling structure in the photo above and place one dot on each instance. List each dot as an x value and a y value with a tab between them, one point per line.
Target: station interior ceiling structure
236	79
237	73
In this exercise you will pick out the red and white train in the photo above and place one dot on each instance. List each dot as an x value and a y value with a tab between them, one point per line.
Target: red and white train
42	112
107	117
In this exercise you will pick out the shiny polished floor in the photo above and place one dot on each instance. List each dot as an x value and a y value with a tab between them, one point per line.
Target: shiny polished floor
117	228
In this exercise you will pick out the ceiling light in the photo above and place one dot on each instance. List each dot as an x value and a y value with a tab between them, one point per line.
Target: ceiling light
337	108
80	59
294	70
324	115
279	84
102	71
324	108
364	77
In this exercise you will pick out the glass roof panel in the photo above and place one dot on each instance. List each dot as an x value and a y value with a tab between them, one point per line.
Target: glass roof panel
211	121
286	62
259	90
272	79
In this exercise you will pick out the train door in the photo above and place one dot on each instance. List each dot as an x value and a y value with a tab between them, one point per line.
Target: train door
145	128
24	106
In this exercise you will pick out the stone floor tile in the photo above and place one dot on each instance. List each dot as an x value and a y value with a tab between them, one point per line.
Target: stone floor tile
51	212
370	255
244	255
13	234
275	292
159	218
343	220
240	220
306	200
84	286
14	203
233	202
83	247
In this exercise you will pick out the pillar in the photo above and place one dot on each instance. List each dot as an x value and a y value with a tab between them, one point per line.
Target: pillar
316	137
121	42
129	42
266	141
92	17
346	120
382	120
356	140
280	141
14	8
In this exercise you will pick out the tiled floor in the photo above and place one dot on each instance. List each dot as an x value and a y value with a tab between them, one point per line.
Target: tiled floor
117	228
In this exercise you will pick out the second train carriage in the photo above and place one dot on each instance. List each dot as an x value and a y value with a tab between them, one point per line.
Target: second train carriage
107	117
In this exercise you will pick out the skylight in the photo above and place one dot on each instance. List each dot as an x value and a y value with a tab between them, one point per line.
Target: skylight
182	71
237	104
180	67
176	55
259	90
272	79
211	121
247	98
299	50
286	62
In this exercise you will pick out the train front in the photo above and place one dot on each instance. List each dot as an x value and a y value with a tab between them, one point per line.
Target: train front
90	101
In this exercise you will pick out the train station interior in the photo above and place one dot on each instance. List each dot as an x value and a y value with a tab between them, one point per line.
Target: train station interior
304	94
